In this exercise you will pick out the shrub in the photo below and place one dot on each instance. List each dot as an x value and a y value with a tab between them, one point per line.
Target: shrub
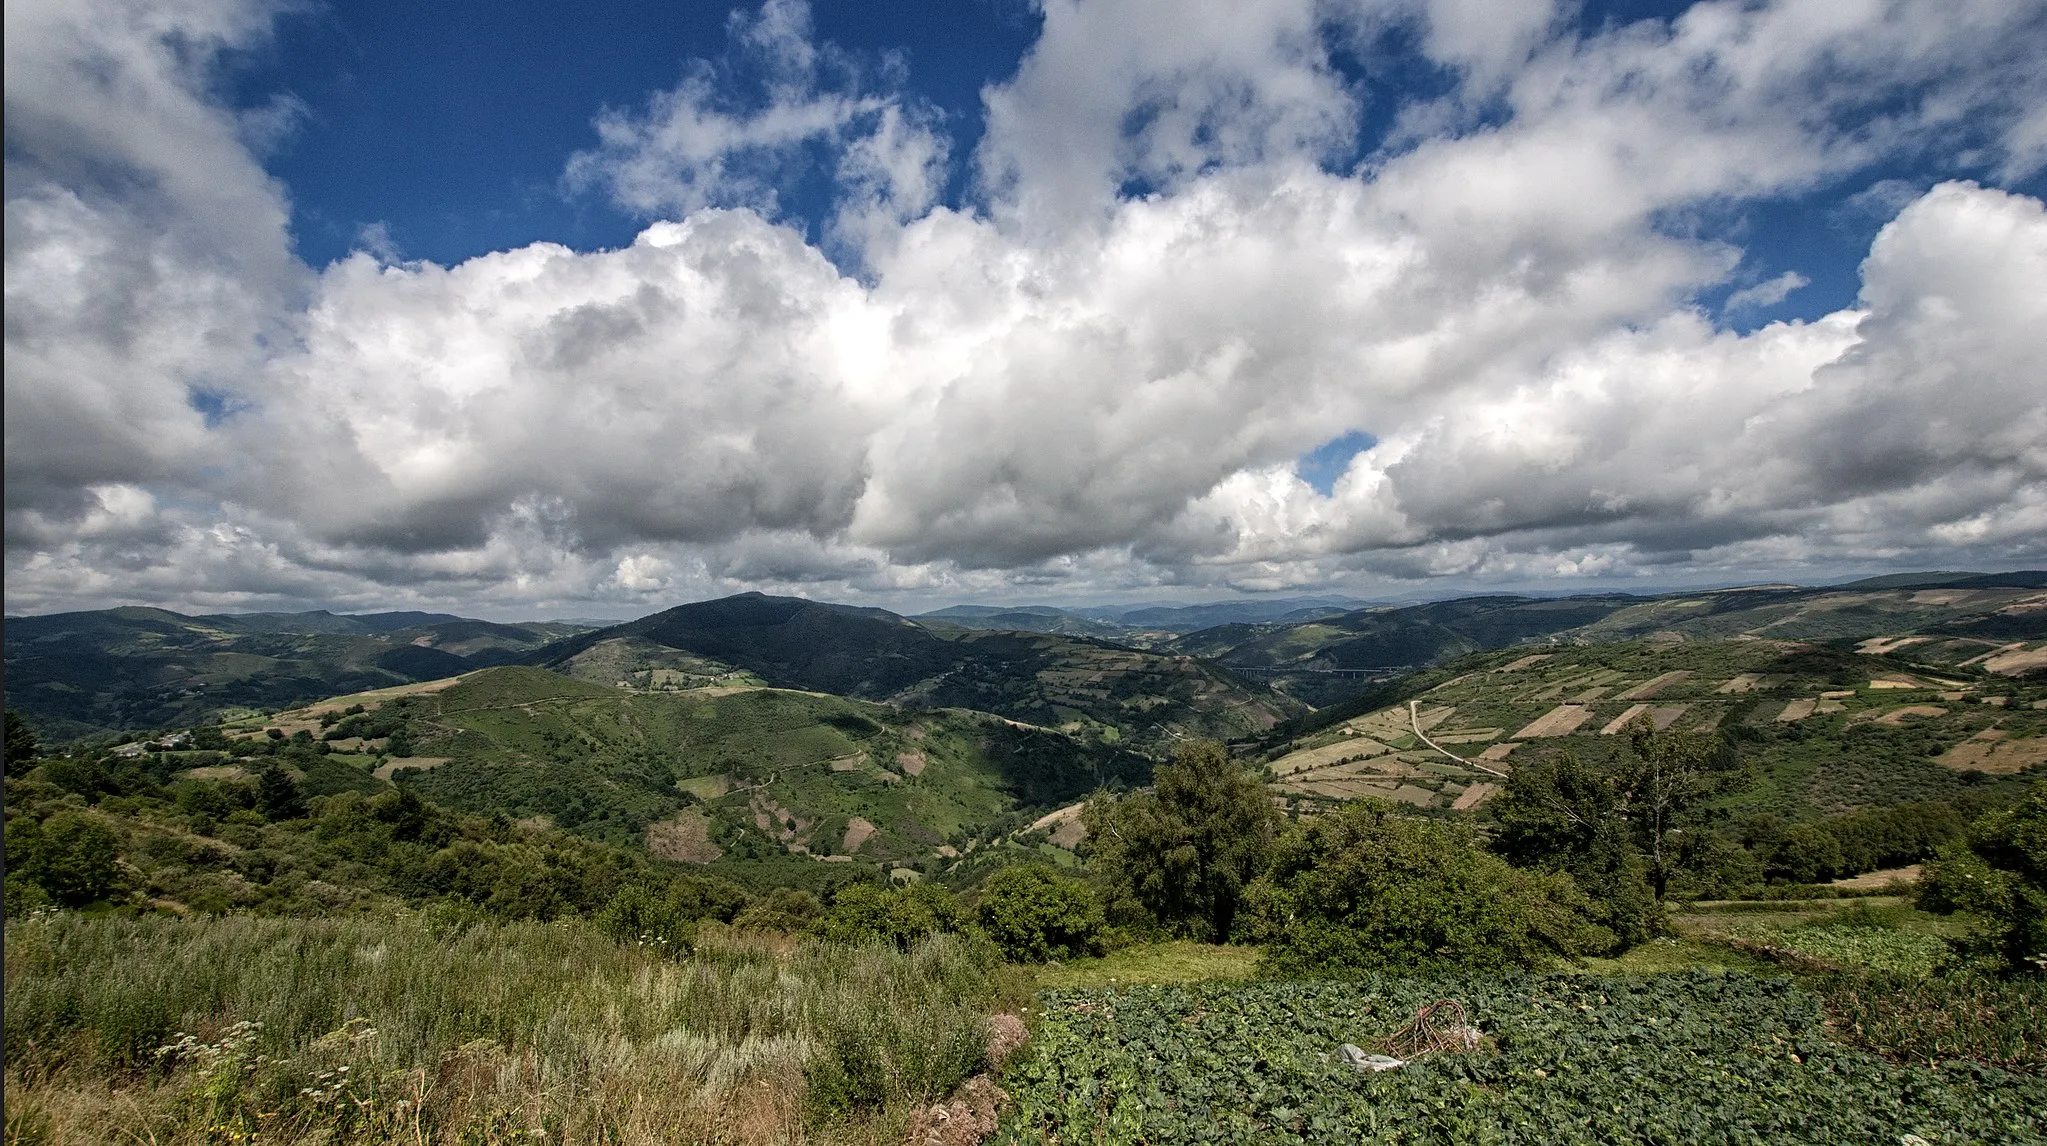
870	912
71	857
1186	849
781	909
1035	914
1367	889
1998	873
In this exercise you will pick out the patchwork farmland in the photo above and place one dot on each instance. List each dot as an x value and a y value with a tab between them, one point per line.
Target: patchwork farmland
1446	747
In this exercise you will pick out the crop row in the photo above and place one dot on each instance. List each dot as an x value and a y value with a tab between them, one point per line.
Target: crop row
1564	1059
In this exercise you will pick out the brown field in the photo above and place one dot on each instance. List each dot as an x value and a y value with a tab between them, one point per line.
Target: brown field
1589	695
1468	735
1065	826
1650	688
1899	681
1524	662
1884	878
1664	716
857	832
1898	715
911	763
1474	796
1499	751
1878	646
1328	755
1991	751
1562	720
684	838
1428	719
2017	661
1621	722
1411	794
1746	682
1797	709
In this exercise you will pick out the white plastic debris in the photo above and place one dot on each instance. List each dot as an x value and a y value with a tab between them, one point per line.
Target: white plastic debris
1356	1058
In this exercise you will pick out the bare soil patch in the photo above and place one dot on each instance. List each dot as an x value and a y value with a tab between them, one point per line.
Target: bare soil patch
1883	878
1620	723
1898	715
1650	688
1797	709
911	762
685	838
1562	720
2016	662
1524	662
1746	682
1473	796
1992	751
857	833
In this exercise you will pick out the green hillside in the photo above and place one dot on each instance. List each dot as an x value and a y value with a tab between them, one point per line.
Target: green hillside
1961	619
82	674
767	783
1828	730
1077	685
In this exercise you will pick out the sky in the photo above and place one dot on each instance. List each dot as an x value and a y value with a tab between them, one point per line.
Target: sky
517	310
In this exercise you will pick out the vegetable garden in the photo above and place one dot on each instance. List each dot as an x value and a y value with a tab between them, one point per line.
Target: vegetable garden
1676	1059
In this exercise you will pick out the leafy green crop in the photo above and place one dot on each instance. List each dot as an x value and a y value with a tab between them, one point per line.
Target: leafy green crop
1566	1059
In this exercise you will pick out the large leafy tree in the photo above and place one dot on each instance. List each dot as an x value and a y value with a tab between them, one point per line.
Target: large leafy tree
1998	873
1367	888
1185	850
1622	826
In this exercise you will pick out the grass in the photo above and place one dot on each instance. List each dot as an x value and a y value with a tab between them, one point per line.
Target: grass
366	1030
1180	961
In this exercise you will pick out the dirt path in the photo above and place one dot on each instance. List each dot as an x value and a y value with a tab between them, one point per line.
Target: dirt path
1414	718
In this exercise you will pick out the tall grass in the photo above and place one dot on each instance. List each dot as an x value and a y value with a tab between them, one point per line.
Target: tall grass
225	1029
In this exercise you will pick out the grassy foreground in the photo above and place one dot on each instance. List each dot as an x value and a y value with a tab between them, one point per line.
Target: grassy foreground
242	1029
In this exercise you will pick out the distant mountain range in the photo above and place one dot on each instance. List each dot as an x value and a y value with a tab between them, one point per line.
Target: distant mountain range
1113	621
78	674
1138	675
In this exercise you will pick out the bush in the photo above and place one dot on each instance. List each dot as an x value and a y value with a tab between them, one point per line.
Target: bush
870	912
1367	889
1998	873
781	909
1185	850
1035	914
71	856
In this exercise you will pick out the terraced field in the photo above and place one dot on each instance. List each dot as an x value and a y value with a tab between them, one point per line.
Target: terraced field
1833	729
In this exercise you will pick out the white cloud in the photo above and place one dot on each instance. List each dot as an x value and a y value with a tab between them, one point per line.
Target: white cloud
1066	389
1767	293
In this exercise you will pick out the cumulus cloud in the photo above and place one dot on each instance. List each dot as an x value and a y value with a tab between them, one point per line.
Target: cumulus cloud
1767	293
1179	276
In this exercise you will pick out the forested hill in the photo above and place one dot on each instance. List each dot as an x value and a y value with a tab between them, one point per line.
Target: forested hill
80	674
1088	687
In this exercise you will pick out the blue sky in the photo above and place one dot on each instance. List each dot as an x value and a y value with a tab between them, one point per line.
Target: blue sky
515	309
447	124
